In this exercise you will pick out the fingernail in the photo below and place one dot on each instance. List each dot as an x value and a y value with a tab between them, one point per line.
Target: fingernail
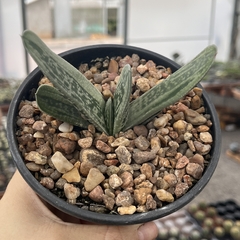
147	231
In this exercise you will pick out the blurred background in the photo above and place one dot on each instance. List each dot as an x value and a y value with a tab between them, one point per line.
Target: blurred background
178	30
174	29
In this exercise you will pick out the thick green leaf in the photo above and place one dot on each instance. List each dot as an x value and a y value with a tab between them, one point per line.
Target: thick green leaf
172	89
109	115
121	99
68	80
52	102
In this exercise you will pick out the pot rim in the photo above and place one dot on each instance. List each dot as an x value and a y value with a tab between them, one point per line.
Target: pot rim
87	215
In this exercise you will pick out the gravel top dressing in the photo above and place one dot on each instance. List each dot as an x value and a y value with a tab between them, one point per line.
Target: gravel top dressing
139	170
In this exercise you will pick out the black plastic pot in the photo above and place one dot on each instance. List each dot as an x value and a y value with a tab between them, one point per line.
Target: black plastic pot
83	55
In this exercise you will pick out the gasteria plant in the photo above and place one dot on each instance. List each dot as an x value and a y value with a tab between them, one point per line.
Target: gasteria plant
75	100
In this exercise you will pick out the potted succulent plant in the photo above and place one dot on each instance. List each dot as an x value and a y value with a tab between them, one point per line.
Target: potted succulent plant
110	146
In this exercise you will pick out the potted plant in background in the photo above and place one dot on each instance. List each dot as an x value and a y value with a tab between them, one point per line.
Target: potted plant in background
7	90
120	146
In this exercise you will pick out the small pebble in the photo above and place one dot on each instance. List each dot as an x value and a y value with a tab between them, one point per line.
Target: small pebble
206	137
161	122
121	141
143	84
94	178
103	147
93	156
65	127
39	126
180	189
26	111
36	157
182	162
127	210
194	170
194	117
140	195
65	145
47	182
140	130
71	192
96	194
115	181
123	155
72	176
141	157
141	143
164	196
124	199
61	163
146	169
127	180
32	166
109	202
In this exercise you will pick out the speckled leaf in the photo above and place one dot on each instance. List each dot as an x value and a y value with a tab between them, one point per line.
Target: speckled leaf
52	102
121	98
109	115
172	89
68	80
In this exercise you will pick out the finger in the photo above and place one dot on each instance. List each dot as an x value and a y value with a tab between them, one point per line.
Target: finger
148	231
100	232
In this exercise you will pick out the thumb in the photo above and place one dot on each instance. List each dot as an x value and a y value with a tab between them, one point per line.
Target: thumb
148	231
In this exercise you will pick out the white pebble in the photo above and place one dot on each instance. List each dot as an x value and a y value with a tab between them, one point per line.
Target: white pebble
65	127
38	135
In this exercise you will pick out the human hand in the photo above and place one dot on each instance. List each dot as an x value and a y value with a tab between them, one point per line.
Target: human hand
24	216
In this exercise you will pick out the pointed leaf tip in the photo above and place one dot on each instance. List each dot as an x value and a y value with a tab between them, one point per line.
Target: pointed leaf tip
171	89
67	79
